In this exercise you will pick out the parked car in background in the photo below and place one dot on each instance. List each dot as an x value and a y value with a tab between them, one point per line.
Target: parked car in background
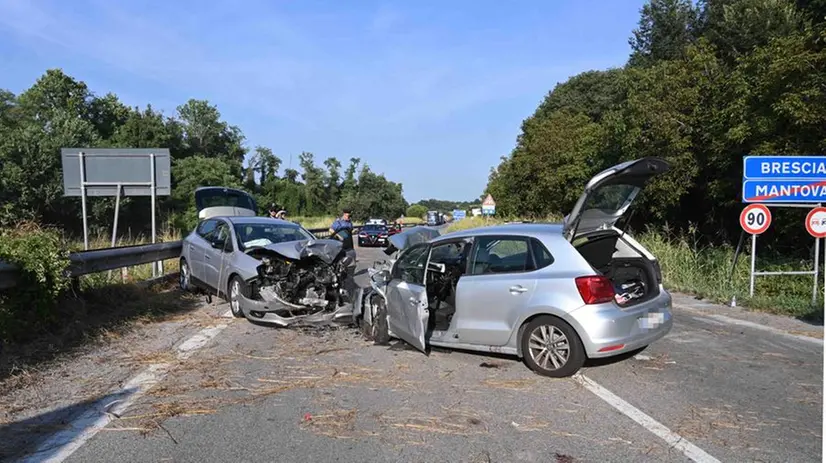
270	270
373	235
552	294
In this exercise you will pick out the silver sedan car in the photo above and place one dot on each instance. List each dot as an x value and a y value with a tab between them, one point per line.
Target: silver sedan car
270	270
552	294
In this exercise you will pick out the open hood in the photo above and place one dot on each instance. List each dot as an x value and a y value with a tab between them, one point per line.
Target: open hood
213	201
415	235
609	194
326	250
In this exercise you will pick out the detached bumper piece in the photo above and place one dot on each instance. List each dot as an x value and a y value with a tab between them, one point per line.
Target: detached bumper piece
277	313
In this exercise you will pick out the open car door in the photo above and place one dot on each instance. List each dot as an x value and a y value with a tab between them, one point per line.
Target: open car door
407	297
609	194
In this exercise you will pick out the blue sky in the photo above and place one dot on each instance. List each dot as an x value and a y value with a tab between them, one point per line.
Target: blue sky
430	93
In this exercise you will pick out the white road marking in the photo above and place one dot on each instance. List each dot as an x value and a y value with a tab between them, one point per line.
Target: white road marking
709	321
757	326
736	321
64	443
673	439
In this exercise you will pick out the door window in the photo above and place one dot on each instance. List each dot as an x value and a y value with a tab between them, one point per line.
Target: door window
501	255
206	227
541	256
222	233
411	265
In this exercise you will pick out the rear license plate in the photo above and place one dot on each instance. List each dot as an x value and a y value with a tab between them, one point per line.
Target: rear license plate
651	320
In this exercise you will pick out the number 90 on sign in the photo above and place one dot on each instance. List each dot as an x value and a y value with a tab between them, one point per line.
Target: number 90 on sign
755	219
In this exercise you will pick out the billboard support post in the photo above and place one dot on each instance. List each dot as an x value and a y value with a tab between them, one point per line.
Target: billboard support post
117	211
82	168
152	187
118	172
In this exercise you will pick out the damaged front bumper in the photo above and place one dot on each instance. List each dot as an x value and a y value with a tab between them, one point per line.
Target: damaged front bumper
277	313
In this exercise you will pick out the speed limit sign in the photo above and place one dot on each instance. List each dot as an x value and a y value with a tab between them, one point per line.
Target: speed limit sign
755	219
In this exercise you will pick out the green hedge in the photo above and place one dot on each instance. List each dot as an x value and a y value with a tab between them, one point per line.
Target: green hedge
31	305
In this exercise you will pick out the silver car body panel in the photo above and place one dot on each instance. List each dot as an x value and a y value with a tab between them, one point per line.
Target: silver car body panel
326	250
413	236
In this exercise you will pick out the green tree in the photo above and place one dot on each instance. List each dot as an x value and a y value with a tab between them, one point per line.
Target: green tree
665	28
416	210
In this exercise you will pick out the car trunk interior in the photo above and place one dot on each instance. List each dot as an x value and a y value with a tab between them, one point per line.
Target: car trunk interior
636	278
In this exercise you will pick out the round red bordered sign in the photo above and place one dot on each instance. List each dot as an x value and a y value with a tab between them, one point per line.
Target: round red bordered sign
755	219
816	222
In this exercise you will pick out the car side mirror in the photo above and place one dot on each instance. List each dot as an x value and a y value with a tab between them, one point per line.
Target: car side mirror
441	268
219	244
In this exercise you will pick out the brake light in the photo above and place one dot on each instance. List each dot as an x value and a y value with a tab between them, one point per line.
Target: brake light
595	289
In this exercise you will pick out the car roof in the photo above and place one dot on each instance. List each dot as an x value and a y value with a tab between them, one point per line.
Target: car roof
536	230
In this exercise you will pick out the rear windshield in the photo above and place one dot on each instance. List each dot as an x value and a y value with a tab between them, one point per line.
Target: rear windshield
221	197
262	234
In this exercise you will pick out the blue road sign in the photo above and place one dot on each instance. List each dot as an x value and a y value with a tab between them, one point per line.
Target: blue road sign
784	179
458	214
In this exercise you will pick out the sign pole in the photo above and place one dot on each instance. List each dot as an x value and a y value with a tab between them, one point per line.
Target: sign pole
817	264
83	200
152	193
753	259
117	212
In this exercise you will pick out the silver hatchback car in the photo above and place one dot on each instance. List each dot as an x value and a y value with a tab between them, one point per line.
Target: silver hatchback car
552	294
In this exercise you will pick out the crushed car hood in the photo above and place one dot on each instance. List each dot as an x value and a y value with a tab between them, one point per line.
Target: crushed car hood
326	250
413	236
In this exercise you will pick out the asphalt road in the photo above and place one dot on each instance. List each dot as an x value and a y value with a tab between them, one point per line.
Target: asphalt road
716	389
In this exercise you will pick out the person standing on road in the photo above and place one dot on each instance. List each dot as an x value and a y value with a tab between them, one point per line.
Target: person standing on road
342	229
276	212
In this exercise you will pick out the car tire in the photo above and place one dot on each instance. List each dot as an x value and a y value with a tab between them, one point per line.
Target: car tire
545	328
236	286
184	275
379	331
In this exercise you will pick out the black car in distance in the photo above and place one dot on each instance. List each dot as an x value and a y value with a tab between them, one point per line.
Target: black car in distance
373	235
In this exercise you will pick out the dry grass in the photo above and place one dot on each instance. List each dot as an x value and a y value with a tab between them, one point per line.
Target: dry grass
96	316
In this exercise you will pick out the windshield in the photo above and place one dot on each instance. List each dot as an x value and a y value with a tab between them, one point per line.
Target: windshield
262	234
374	228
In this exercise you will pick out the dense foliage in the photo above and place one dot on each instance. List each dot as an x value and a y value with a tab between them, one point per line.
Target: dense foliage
705	84
59	111
42	260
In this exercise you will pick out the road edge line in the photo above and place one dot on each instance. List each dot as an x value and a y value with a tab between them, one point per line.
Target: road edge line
63	444
736	321
673	439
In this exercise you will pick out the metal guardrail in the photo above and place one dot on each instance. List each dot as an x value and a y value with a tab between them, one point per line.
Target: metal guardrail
100	260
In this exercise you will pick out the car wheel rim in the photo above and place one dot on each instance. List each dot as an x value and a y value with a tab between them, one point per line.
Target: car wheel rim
234	291
549	347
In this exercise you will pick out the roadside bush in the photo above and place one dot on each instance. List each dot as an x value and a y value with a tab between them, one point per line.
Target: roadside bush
42	259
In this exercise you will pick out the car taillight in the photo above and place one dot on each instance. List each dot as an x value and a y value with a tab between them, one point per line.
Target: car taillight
595	289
